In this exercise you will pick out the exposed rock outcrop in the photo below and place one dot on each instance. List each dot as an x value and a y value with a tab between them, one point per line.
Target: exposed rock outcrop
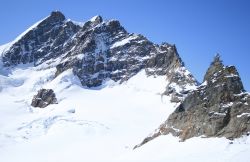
219	107
43	98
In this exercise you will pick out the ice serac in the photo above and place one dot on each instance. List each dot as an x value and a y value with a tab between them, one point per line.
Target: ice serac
98	50
217	108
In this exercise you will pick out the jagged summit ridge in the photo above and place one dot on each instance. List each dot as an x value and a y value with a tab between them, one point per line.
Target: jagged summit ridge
96	50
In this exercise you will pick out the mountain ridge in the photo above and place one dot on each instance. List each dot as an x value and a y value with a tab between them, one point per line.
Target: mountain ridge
219	107
96	50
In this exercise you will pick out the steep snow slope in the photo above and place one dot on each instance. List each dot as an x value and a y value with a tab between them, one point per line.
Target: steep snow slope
101	124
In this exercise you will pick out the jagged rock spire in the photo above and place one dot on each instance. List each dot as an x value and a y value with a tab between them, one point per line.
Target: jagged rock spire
215	66
217	60
219	75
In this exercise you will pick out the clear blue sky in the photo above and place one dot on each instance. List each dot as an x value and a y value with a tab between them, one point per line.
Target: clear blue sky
199	28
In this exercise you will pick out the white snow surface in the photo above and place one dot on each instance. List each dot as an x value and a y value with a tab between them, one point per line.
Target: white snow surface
101	124
4	48
243	114
124	41
94	18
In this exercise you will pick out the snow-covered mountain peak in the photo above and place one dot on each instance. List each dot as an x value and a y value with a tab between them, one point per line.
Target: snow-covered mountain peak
95	51
96	19
57	16
54	18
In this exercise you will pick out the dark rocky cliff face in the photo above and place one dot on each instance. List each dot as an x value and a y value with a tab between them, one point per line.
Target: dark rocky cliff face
217	108
96	51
